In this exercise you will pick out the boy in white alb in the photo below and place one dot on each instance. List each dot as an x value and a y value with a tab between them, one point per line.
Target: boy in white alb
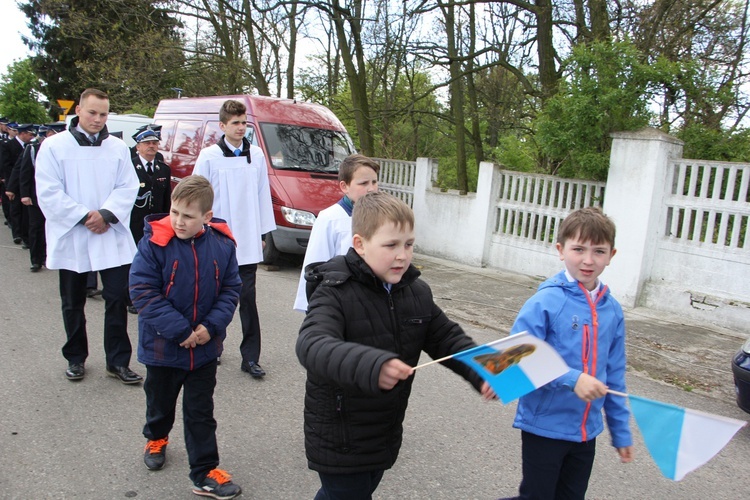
242	196
331	234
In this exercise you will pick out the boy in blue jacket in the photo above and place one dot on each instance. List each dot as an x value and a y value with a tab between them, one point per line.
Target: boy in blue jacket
575	313
185	283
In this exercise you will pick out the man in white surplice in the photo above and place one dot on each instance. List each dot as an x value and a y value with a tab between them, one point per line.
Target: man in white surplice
242	197
86	187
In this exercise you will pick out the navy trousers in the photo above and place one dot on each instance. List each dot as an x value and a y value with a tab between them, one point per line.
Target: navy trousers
359	486
250	345
37	241
117	346
554	469
162	386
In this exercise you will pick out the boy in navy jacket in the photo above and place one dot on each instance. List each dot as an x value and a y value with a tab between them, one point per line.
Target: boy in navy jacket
575	313
185	284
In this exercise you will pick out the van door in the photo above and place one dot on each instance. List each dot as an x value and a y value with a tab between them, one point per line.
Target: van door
185	147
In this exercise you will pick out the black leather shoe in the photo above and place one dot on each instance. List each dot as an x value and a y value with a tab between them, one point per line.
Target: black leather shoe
75	371
253	369
93	292
125	374
35	268
132	310
17	241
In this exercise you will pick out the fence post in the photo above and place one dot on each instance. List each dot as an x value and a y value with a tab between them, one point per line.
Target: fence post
422	183
486	205
634	199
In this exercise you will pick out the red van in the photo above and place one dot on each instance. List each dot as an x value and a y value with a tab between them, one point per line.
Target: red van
303	143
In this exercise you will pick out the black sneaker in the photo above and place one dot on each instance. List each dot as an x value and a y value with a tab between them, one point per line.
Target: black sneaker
154	454
217	484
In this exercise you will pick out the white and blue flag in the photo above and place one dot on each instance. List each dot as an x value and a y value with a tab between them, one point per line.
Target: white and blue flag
680	440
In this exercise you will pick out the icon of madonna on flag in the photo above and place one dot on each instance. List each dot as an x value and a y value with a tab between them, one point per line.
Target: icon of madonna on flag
515	365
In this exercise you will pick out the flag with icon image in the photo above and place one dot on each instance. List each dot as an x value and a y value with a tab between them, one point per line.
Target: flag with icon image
513	366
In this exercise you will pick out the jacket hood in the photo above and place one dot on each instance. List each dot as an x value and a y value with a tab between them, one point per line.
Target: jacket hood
342	267
159	229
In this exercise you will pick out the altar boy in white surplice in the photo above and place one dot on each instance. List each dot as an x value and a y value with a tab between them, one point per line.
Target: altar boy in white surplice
86	187
242	197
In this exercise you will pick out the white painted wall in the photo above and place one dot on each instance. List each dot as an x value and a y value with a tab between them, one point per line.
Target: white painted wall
448	225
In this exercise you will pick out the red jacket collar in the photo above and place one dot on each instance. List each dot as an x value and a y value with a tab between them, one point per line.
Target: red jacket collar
163	232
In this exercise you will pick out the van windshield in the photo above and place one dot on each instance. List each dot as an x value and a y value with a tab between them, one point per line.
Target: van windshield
292	147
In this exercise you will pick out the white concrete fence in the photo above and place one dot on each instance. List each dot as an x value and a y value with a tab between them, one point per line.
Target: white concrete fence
682	242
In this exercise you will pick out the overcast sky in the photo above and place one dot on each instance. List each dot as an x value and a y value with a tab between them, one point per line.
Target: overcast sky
12	24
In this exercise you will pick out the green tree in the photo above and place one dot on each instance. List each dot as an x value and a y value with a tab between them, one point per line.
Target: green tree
19	94
606	90
708	143
129	48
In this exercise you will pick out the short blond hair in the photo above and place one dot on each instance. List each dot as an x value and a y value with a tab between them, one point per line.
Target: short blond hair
100	94
195	188
374	210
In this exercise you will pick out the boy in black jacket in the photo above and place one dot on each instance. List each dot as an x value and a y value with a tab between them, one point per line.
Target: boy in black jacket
369	317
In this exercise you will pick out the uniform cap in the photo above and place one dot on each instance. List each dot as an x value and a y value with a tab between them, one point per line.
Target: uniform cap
57	126
151	126
25	127
146	135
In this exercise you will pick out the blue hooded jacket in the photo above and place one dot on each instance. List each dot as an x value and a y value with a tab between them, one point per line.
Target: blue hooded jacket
590	336
177	285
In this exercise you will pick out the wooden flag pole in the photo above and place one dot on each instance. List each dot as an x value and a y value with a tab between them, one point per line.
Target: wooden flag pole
617	393
457	353
435	361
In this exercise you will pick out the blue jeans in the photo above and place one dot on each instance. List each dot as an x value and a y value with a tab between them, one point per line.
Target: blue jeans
359	486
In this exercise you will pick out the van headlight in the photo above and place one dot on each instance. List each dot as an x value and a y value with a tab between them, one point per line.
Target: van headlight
298	217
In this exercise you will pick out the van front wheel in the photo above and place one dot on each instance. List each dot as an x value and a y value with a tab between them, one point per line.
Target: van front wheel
270	252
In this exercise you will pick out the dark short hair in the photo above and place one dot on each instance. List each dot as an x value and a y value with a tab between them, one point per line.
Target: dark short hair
354	162
587	224
376	209
231	108
195	188
100	94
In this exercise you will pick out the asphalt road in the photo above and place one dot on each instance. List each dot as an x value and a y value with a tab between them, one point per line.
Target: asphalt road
64	440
